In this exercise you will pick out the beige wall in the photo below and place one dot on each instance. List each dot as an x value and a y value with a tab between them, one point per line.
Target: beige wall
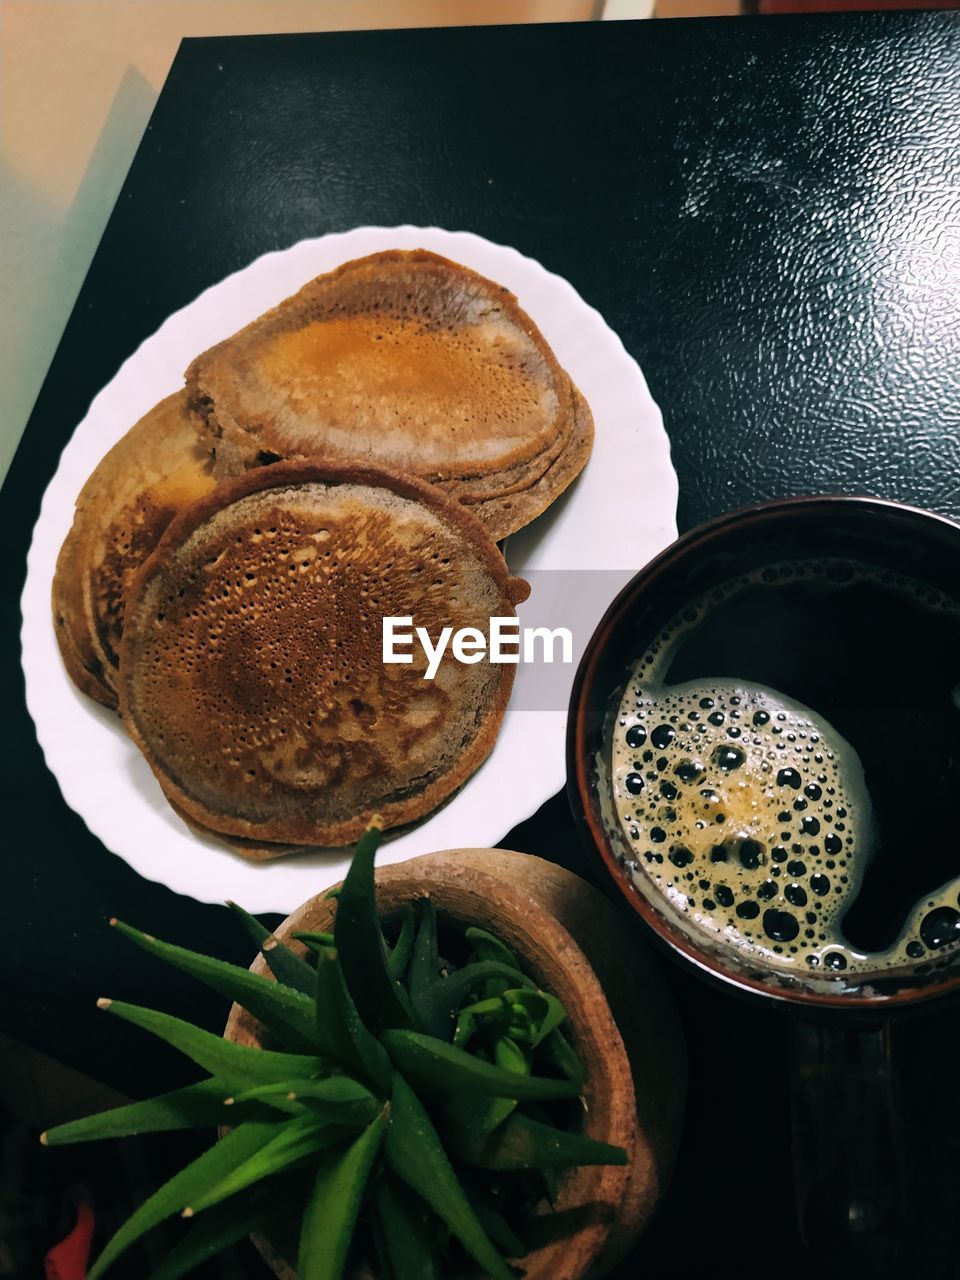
697	8
78	80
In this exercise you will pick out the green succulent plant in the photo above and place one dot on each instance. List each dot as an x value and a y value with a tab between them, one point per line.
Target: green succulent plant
420	1104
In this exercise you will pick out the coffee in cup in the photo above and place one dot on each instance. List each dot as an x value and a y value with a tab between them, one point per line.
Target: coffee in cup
785	767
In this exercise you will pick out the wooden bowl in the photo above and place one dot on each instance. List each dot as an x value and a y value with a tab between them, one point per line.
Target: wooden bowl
621	1020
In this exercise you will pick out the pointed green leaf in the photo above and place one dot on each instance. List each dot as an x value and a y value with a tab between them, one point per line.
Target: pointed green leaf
317	942
231	1151
438	1005
434	1064
313	935
288	1014
499	1230
523	1143
508	1055
405	1231
236	1065
487	1013
337	1098
487	947
228	1223
359	941
557	1052
491	1219
285	965
257	931
466	1121
340	1031
415	1154
270	1098
289	1143
195	1106
545	1011
548	1177
403	948
526	1015
423	973
331	1213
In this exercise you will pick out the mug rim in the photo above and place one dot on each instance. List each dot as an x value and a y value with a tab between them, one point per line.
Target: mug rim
590	824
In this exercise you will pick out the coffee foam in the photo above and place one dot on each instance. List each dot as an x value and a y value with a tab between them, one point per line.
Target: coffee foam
749	812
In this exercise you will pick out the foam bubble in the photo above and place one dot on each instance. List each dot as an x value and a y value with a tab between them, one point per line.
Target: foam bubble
730	813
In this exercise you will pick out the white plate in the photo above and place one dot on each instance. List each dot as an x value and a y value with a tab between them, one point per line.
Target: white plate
620	513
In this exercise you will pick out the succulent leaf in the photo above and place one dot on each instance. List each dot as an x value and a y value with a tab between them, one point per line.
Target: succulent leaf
225	1224
558	1053
230	1152
405	1231
313	937
423	973
289	1143
415	1154
439	1003
491	1011
285	965
508	1055
434	1064
378	996
524	1143
471	1120
236	1065
257	931
536	1012
331	1213
400	955
495	1224
486	946
286	1013
340	1030
195	1106
336	1098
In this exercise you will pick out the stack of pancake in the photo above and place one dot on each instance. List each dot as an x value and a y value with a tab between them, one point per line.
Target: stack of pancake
355	453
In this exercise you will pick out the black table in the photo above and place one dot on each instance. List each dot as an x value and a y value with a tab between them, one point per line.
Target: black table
767	211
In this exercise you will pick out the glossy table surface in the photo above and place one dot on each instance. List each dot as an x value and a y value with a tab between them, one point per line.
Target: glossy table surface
767	212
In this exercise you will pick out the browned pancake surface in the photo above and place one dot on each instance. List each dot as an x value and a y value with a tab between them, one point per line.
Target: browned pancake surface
402	359
252	674
162	464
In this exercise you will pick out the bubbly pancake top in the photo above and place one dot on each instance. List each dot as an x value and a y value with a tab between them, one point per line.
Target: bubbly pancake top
253	670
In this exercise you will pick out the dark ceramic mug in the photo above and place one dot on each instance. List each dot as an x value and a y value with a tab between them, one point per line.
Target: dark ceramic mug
846	1115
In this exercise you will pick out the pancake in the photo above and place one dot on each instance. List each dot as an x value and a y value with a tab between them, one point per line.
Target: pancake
405	360
163	463
253	850
252	673
263	850
515	508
